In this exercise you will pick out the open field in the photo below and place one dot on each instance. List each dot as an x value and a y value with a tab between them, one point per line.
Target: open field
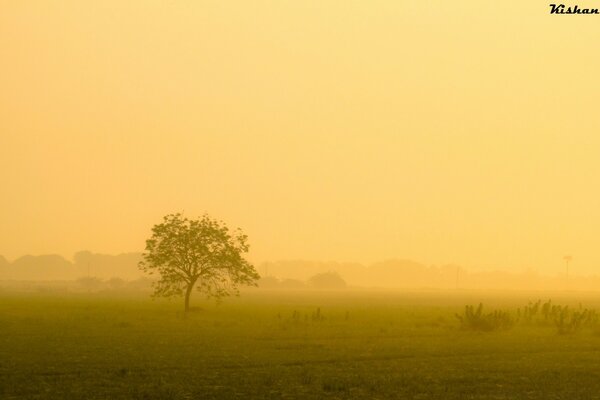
347	344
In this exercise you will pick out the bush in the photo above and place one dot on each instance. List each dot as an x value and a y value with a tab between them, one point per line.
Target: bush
474	319
566	320
570	321
327	280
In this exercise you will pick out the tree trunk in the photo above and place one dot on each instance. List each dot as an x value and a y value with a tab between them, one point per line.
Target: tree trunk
188	292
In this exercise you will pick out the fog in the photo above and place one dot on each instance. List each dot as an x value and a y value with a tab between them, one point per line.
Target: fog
118	271
358	132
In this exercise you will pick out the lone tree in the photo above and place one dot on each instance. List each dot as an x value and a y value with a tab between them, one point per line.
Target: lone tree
201	253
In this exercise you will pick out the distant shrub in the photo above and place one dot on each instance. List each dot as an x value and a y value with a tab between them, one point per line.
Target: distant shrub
474	319
268	282
292	284
317	316
327	280
90	282
569	321
531	310
116	283
566	320
143	283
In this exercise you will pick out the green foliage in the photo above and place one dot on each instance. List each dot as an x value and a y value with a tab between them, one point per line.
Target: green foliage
474	319
201	253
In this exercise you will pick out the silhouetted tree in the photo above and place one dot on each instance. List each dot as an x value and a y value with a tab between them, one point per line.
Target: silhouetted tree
201	253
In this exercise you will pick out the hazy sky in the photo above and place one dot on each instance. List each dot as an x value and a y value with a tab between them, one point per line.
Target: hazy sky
439	131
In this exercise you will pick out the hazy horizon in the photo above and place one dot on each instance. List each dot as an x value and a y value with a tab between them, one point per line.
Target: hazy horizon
432	131
258	263
394	273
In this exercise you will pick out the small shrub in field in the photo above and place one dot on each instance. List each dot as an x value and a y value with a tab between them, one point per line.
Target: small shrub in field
569	321
474	319
566	320
531	310
317	316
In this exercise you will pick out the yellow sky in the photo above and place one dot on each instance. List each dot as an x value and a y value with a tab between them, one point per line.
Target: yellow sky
463	132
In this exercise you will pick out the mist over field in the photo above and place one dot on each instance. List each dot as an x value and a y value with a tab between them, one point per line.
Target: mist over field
389	274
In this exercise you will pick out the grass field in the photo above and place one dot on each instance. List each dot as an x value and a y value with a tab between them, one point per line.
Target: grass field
348	344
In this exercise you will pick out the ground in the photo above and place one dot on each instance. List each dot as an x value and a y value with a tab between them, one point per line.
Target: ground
345	344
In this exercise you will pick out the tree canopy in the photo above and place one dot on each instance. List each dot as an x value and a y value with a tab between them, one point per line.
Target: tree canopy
198	253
